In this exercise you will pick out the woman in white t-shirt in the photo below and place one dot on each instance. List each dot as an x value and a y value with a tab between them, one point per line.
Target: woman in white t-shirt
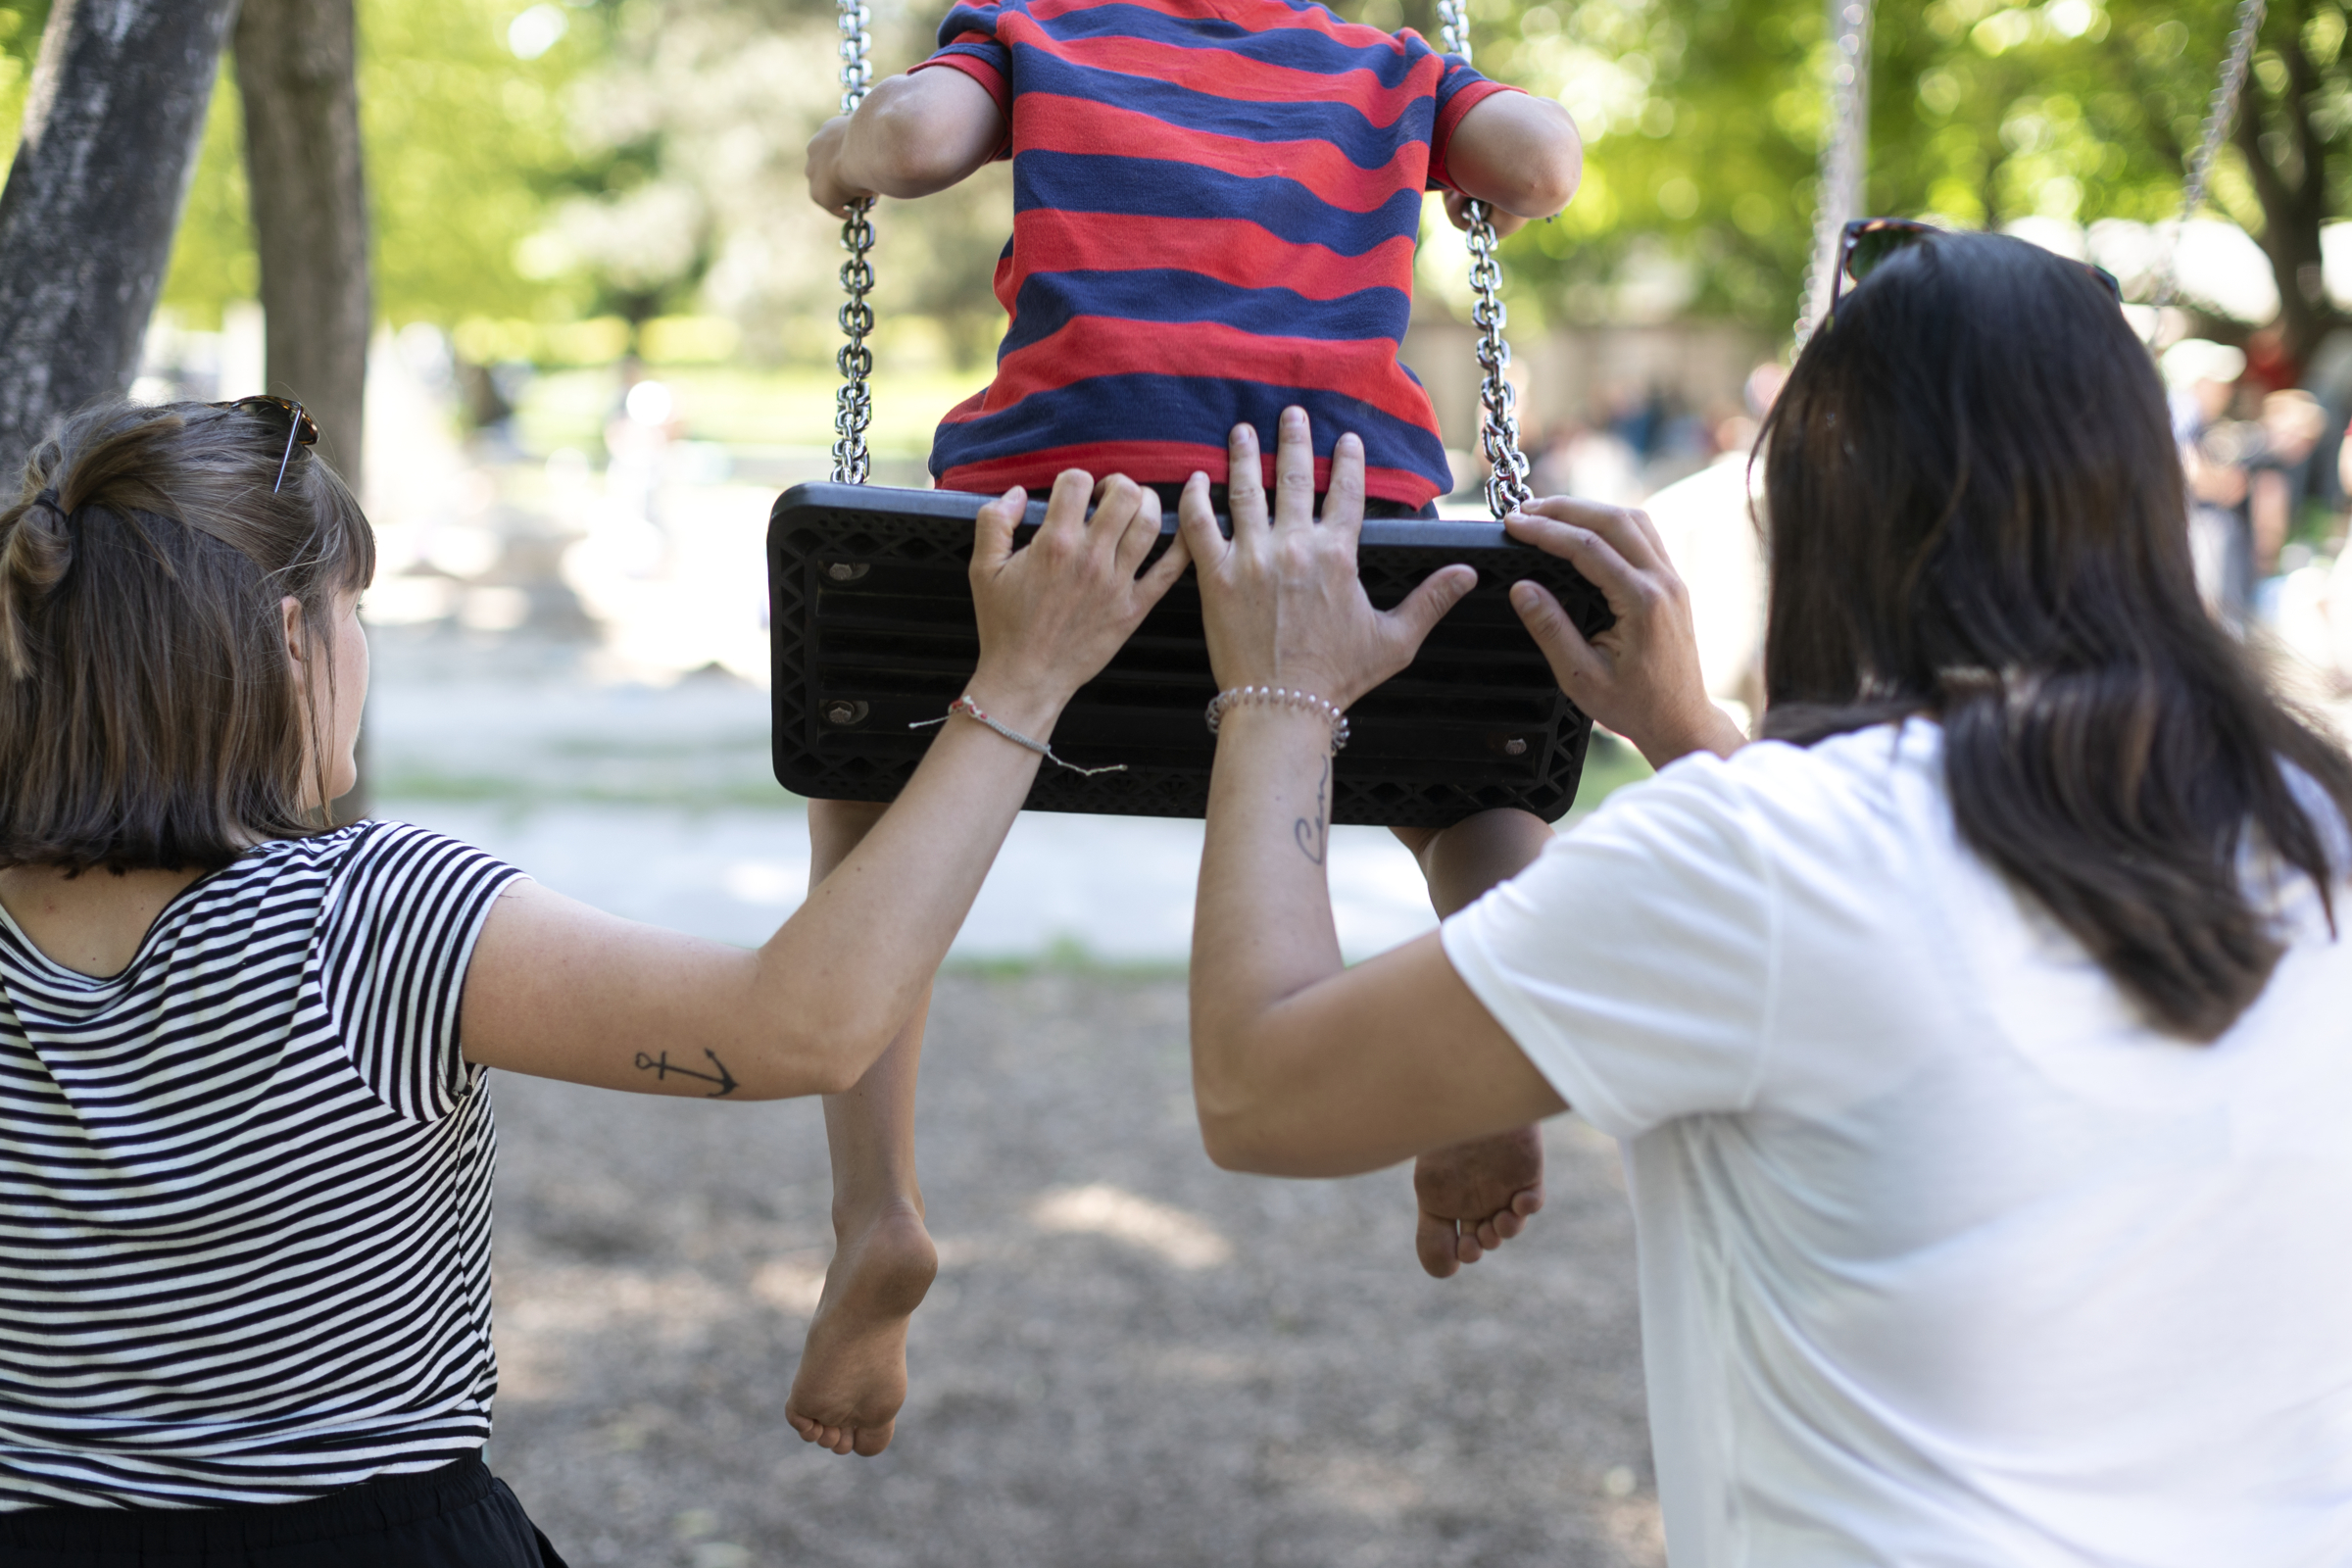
1979	1045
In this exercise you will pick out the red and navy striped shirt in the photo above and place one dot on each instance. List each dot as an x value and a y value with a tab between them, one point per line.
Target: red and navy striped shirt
1215	204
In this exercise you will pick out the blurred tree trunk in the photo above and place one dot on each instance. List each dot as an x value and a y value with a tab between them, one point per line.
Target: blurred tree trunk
111	127
2286	159
297	72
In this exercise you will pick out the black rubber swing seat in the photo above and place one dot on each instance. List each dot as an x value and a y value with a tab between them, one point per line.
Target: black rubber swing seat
872	632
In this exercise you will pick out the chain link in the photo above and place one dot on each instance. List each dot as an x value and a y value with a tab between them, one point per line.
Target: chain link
2220	111
1498	401
853	403
1841	159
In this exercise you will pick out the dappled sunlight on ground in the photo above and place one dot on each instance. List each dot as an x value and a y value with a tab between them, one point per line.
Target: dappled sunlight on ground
1129	1356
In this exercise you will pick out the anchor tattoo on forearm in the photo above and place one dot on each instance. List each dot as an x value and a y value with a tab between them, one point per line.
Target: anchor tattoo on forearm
662	1067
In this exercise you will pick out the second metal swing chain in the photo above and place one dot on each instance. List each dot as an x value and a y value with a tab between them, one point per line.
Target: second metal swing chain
2220	111
1842	158
1499	403
853	405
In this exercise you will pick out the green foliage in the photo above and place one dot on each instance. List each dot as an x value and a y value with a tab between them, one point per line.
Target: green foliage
212	264
1702	124
2075	109
21	26
1705	118
464	146
645	157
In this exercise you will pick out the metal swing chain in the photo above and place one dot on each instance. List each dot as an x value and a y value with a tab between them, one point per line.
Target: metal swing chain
853	403
1499	403
1841	159
2220	111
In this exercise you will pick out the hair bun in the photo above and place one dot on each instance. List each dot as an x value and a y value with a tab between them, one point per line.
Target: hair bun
35	552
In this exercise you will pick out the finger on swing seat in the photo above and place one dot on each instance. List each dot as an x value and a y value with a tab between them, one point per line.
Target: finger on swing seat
1244	483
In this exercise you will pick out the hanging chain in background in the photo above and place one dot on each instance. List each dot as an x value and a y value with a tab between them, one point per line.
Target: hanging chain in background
1499	403
2218	114
853	405
1841	160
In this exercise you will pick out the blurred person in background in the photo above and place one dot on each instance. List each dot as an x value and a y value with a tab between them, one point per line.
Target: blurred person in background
2336	609
2204	377
2279	472
1711	526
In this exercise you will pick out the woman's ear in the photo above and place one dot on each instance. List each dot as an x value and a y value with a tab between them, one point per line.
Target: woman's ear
291	609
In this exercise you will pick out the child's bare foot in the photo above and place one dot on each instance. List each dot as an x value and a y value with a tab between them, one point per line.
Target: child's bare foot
1475	1196
853	1375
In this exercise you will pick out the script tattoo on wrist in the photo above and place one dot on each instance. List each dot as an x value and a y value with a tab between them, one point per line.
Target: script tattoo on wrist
663	1069
1314	833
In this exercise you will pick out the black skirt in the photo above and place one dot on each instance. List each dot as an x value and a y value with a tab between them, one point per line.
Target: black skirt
459	1516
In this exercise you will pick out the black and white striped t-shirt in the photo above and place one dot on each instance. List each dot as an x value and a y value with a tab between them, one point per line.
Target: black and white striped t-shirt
245	1187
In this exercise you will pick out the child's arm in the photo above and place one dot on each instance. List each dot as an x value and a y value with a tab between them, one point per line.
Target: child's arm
1516	152
912	135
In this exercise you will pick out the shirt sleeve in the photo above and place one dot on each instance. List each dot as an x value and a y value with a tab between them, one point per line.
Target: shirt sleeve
1460	89
400	922
967	42
1635	962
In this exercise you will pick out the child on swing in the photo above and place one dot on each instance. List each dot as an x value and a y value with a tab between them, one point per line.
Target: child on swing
1216	204
245	1128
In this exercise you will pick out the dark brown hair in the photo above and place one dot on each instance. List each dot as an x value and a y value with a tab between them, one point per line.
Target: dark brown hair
149	716
1978	514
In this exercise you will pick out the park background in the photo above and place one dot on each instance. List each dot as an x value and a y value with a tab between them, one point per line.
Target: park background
603	342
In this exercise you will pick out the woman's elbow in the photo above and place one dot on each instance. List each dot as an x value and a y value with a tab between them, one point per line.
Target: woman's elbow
1228	1112
825	1057
1243	1127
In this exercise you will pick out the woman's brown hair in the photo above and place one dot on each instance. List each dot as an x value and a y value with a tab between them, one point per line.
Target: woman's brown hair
149	716
1978	516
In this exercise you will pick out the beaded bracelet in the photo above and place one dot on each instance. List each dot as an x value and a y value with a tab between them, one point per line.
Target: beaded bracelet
970	709
1234	697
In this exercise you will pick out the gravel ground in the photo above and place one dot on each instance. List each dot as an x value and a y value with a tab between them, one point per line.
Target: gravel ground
1130	1359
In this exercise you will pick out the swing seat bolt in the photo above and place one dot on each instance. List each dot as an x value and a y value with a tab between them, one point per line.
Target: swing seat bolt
845	571
844	711
1516	745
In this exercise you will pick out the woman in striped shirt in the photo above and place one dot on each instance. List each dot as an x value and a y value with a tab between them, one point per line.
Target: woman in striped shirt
245	1128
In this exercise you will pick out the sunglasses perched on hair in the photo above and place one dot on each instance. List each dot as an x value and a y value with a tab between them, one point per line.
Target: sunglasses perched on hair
1868	241
301	429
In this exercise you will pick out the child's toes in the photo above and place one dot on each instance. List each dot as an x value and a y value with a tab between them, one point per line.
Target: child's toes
1434	1241
873	1440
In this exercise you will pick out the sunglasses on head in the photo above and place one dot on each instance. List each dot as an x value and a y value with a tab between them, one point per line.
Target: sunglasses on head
1867	241
301	429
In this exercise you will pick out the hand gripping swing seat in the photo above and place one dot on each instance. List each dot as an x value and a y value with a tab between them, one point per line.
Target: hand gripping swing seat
872	632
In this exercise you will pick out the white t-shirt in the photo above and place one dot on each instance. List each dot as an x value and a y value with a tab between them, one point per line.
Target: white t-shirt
1946	1258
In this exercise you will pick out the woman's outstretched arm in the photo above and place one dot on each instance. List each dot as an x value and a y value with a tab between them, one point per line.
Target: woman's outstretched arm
562	990
1301	1065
